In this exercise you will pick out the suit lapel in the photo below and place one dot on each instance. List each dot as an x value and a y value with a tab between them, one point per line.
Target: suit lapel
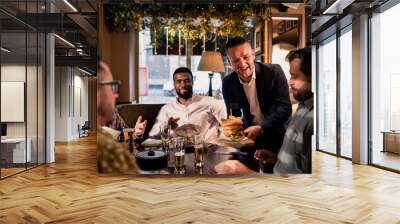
242	98
260	87
242	94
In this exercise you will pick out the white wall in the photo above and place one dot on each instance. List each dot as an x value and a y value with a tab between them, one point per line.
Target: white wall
71	102
34	124
81	108
61	104
12	73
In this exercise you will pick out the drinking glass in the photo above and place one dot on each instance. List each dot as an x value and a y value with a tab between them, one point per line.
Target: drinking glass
165	131
261	166
178	145
128	135
128	132
198	143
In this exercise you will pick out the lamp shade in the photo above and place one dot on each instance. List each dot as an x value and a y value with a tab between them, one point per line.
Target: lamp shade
211	61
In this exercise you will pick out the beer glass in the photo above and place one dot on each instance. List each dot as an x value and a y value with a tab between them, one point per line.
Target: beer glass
178	144
198	150
165	132
128	135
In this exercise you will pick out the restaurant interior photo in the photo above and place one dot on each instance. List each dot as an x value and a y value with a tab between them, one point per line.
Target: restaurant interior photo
174	111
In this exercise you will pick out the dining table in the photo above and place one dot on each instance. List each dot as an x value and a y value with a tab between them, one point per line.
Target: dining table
213	154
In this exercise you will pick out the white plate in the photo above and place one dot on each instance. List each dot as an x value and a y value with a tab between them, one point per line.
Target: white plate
188	130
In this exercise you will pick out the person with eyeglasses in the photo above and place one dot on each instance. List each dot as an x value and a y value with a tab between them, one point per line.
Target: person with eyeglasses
112	156
118	122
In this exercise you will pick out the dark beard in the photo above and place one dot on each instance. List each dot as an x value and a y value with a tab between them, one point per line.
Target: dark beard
187	95
303	95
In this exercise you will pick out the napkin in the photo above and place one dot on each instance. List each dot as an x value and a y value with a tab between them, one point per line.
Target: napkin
151	142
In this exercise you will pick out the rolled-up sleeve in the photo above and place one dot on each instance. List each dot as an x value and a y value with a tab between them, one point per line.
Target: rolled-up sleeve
162	118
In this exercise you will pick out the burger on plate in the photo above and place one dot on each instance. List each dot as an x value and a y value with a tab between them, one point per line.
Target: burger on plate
232	127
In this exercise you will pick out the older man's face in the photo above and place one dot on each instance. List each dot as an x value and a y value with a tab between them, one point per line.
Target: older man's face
241	58
105	95
298	82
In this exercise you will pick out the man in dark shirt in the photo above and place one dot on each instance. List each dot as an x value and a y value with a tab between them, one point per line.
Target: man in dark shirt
295	154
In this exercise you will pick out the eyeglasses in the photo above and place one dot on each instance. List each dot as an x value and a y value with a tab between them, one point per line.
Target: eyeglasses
114	85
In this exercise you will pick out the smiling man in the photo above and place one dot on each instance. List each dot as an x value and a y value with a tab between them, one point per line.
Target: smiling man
259	91
190	109
295	154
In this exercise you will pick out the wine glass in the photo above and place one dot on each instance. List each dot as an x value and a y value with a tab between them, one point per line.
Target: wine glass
165	133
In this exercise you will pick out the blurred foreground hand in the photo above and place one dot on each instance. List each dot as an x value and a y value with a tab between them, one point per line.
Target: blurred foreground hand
232	167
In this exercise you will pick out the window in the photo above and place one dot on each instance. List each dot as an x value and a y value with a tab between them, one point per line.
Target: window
346	93
157	62
22	65
326	96
385	88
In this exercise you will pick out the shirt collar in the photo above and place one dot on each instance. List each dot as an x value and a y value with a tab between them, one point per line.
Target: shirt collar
253	76
191	100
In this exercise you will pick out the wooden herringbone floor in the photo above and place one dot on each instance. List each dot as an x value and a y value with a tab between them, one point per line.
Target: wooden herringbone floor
71	191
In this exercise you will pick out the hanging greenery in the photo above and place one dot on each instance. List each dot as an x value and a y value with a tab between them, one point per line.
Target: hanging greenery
193	20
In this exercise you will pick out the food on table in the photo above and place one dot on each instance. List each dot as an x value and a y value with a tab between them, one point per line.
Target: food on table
232	127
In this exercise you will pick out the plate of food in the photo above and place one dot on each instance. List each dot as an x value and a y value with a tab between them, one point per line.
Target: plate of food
232	128
188	131
233	134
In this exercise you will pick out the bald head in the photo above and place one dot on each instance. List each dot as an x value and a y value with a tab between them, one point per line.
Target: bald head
103	72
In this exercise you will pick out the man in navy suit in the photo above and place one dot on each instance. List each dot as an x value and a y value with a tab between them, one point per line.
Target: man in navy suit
260	94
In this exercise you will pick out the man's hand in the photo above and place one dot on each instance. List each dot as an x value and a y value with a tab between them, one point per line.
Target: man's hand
265	156
140	126
173	122
211	119
232	167
253	132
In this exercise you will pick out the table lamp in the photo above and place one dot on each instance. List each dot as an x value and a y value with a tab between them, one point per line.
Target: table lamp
211	61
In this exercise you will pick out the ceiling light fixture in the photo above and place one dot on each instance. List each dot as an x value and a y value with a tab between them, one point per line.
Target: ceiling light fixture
292	5
338	6
65	41
284	18
70	5
5	50
84	71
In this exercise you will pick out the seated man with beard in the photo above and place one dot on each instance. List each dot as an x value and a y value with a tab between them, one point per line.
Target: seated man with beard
190	109
295	154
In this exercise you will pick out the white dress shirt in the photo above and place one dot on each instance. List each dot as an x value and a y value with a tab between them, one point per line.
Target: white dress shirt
251	94
203	111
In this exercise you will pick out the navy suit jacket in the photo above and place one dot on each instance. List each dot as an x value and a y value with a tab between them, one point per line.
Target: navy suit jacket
273	98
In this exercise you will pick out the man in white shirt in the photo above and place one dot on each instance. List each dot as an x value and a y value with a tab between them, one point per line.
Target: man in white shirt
188	108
